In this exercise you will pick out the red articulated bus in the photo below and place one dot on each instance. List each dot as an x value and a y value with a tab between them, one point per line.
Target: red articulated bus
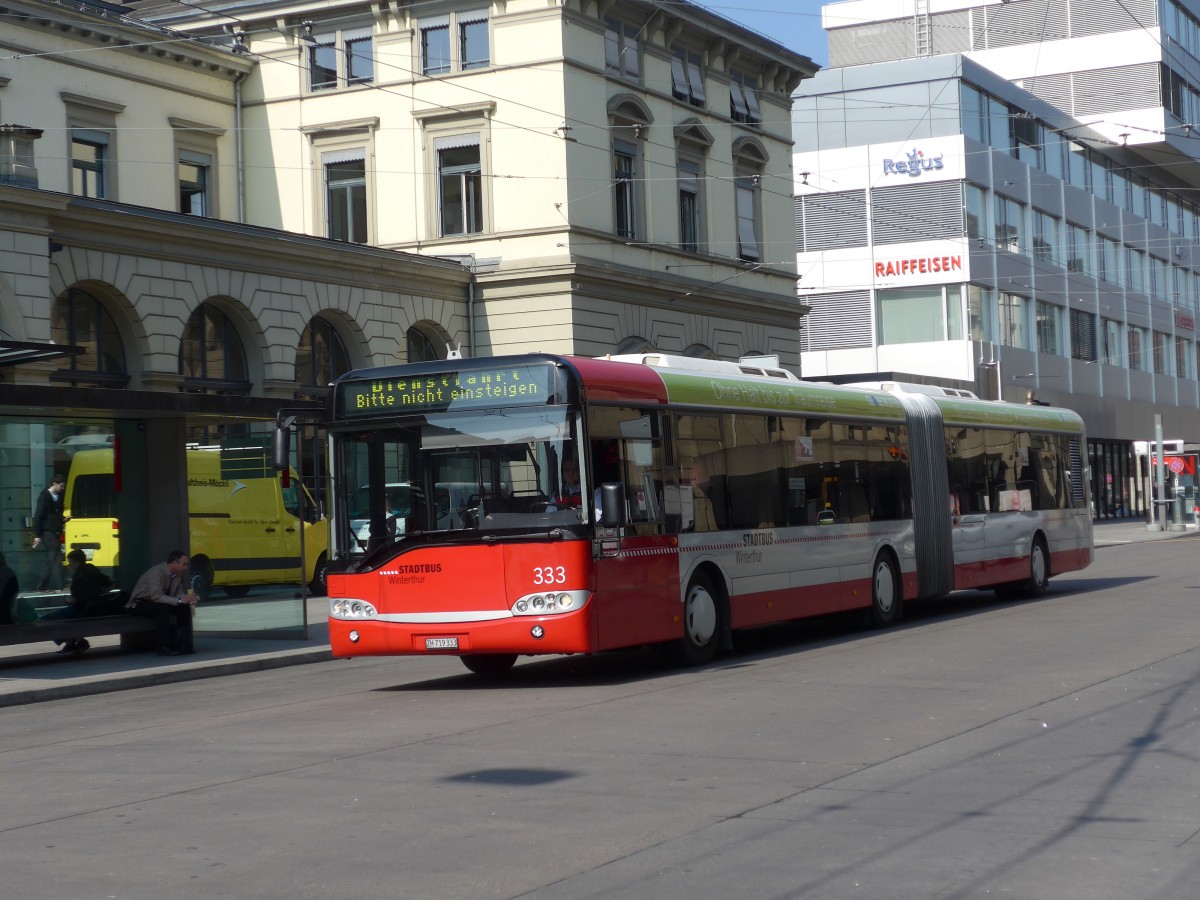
555	504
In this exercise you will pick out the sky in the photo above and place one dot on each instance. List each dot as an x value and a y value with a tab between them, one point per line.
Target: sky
794	23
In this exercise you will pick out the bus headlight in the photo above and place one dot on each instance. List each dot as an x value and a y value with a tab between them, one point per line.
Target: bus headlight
549	604
346	608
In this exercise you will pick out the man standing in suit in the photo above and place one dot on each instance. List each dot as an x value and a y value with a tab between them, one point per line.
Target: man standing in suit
48	524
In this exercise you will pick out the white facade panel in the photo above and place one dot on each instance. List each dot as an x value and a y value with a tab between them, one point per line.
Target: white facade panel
886	266
940	359
878	165
1100	51
855	12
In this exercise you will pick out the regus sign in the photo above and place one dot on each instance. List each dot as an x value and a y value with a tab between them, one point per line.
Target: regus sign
913	164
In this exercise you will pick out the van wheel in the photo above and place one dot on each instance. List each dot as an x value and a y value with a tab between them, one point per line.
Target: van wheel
489	664
318	585
202	577
701	624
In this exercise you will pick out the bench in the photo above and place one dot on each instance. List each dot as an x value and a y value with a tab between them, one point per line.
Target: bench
137	632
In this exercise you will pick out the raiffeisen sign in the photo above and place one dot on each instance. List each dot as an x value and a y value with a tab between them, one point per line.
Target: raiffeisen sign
918	265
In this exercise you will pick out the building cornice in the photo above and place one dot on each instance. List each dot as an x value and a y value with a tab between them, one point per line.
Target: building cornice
105	27
115	228
91	102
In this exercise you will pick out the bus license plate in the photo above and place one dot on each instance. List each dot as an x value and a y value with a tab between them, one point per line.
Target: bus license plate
441	643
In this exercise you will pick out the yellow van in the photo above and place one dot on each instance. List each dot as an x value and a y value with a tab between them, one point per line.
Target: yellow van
244	526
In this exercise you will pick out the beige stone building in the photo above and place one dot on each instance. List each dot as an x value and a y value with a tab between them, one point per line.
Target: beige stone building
616	174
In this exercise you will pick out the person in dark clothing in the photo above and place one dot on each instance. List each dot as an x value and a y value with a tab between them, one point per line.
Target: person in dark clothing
48	524
159	595
91	589
90	596
9	589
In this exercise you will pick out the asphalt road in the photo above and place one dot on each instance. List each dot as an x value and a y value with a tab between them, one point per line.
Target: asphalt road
1043	749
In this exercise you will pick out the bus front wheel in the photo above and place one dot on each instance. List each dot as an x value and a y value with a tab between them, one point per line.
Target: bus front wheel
701	624
887	602
489	664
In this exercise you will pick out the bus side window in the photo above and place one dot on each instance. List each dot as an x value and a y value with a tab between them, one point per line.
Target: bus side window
700	452
627	447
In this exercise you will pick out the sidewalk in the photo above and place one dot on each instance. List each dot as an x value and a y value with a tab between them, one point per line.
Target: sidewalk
1114	532
32	673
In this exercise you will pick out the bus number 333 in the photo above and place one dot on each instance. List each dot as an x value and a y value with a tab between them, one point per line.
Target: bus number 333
550	575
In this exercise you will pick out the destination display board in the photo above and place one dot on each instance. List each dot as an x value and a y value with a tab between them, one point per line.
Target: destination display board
477	388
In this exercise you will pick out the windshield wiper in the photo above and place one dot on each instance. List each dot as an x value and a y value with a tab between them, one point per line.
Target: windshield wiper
554	534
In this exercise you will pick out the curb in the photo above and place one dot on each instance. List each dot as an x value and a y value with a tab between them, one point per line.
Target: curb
104	684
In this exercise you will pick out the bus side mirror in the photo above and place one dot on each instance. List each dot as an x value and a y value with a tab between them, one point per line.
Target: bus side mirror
612	504
281	448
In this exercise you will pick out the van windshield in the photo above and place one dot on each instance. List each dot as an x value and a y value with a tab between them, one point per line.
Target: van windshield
458	476
93	497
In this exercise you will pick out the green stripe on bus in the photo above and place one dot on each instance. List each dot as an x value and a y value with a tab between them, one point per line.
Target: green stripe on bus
1009	415
726	393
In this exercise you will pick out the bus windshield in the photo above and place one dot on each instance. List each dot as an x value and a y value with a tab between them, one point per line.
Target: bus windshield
458	475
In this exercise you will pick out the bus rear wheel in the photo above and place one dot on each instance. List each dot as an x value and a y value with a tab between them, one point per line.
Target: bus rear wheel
1039	575
1039	569
887	602
489	664
701	624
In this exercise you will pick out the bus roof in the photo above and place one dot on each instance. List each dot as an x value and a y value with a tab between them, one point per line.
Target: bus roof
664	379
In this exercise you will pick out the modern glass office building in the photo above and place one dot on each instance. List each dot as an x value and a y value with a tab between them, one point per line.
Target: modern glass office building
1003	197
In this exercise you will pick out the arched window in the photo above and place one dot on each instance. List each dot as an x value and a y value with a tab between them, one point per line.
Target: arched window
634	344
211	357
692	143
629	121
321	356
421	348
749	163
699	351
79	318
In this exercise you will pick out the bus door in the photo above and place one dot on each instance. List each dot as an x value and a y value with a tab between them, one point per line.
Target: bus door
636	563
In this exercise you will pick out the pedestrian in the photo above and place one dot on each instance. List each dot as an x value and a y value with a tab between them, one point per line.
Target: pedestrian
9	591
48	525
159	595
90	593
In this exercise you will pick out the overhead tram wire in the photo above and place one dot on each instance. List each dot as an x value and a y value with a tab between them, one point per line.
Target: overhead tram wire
551	133
602	149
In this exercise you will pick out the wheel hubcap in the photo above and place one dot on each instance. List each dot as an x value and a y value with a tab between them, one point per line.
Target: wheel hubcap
885	588
1038	563
700	616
